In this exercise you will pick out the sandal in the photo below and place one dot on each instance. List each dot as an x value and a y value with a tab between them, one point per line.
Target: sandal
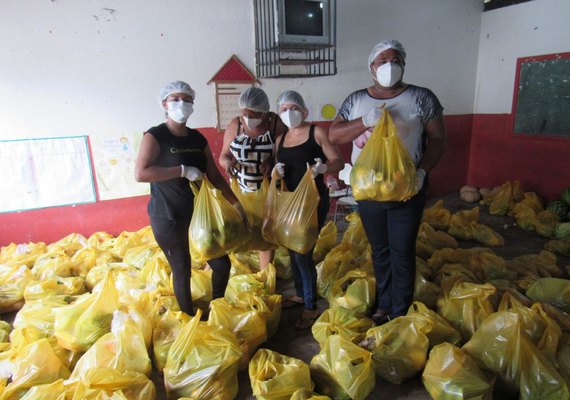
293	301
307	319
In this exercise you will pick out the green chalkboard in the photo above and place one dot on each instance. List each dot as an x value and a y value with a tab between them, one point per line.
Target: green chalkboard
543	98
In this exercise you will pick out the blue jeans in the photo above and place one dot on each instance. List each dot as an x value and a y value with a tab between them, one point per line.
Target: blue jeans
303	266
391	228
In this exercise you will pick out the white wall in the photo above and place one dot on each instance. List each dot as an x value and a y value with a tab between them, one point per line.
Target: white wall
96	66
528	29
74	67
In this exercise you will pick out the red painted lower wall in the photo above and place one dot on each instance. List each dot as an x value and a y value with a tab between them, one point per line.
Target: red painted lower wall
481	151
497	155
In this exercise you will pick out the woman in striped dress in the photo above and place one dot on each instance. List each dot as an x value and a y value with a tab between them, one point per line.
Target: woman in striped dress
249	144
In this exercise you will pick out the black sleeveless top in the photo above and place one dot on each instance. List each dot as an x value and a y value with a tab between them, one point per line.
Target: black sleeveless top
173	198
296	158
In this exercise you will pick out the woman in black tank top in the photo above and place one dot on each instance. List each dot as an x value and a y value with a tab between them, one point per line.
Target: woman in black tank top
304	143
171	155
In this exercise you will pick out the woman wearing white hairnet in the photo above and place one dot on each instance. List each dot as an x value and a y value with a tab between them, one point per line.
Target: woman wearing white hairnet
391	226
170	155
248	148
304	143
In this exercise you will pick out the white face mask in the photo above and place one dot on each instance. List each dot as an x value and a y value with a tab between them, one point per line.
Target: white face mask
179	111
252	122
389	74
291	118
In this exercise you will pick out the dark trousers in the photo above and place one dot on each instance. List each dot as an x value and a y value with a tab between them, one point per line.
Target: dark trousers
172	237
303	266
391	229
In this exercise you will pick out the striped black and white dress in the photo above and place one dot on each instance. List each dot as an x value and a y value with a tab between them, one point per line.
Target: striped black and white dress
250	153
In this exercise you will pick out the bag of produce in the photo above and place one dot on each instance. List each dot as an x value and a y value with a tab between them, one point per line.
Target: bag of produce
451	374
343	370
275	376
466	306
79	325
254	205
216	227
291	217
500	345
399	348
202	363
341	322
384	170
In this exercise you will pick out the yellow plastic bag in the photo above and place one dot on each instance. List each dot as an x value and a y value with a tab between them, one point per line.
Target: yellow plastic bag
451	374
201	285
70	286
325	242
269	306
355	291
436	239
343	370
554	291
16	255
247	323
500	345
437	216
439	331
40	314
13	281
306	394
291	217
33	365
124	350
354	236
335	265
53	264
466	306
426	291
156	272
342	322
275	376
79	325
399	348
165	332
47	391
109	383
262	282
254	205
216	227
384	170
203	363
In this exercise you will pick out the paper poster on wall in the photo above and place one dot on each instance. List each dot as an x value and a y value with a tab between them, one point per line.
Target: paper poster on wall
48	172
114	159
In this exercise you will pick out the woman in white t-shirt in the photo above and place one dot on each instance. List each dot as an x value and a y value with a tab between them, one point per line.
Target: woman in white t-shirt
392	226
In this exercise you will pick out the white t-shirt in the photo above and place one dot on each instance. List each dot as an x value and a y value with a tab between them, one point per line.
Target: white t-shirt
410	110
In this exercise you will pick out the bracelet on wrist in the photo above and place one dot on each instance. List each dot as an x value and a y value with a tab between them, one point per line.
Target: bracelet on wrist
182	170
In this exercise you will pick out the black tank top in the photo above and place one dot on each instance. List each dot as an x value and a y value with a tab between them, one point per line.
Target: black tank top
173	198
296	158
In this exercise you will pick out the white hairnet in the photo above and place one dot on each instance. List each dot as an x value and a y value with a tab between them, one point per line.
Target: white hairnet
293	97
254	99
385	45
175	87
